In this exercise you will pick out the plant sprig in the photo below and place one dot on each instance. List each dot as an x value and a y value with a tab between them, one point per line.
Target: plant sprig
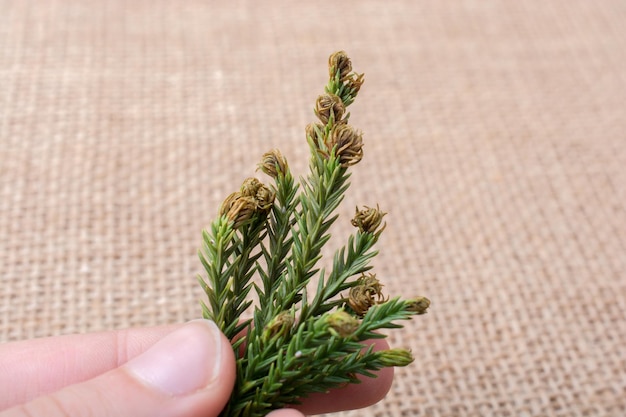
270	239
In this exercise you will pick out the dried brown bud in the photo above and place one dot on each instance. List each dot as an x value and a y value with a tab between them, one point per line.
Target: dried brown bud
241	211
418	305
355	82
372	285
279	325
250	187
339	61
264	199
273	163
368	219
327	106
228	203
359	300
365	294
342	323
252	198
313	130
348	144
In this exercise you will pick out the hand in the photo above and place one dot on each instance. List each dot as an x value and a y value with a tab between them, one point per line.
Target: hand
176	371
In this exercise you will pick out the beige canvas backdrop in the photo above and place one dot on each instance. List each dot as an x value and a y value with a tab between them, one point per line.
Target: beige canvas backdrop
495	138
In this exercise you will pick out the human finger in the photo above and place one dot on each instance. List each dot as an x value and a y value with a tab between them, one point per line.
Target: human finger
285	412
31	368
352	396
189	372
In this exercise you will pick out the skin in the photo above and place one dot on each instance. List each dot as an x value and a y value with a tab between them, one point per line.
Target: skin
89	375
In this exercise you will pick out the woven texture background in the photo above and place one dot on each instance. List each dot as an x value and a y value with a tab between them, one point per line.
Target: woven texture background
495	138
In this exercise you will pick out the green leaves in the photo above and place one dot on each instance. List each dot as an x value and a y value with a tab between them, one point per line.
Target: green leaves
229	260
270	239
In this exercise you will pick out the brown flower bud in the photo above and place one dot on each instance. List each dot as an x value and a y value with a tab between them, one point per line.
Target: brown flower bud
252	198
355	82
372	285
241	211
359	300
418	305
314	130
273	163
339	61
264	199
228	203
343	324
348	144
250	187
365	294
368	219
327	106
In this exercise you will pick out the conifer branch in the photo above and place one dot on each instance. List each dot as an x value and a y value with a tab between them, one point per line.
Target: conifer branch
293	346
280	223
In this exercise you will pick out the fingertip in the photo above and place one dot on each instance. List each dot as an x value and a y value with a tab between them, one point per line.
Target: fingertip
352	396
190	359
189	372
285	412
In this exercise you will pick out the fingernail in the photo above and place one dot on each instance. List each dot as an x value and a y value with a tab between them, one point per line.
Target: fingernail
185	361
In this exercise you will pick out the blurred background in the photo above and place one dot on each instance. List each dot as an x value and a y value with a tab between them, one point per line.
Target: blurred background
495	137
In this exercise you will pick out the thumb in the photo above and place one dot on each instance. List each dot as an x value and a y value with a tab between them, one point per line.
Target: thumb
188	373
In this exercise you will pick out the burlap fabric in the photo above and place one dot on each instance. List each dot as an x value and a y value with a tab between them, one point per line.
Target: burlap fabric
495	138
